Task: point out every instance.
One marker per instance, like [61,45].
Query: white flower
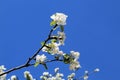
[2,68]
[56,76]
[28,75]
[74,65]
[60,53]
[56,70]
[59,75]
[45,73]
[61,37]
[43,78]
[71,76]
[97,70]
[75,54]
[85,77]
[40,58]
[13,77]
[55,48]
[45,49]
[52,48]
[46,76]
[52,78]
[86,72]
[3,77]
[59,18]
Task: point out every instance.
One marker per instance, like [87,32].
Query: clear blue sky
[93,29]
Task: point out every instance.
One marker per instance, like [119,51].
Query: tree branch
[23,66]
[27,64]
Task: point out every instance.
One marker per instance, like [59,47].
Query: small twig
[86,74]
[27,64]
[53,60]
[48,61]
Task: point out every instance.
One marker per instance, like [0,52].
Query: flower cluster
[74,64]
[40,58]
[72,59]
[57,40]
[52,48]
[56,76]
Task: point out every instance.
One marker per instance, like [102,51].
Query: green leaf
[53,40]
[42,43]
[52,23]
[62,28]
[66,58]
[66,61]
[36,64]
[45,66]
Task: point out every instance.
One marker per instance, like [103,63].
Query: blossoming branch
[51,46]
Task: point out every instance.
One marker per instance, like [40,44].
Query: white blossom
[74,65]
[56,76]
[46,76]
[60,53]
[46,73]
[45,49]
[56,70]
[55,48]
[2,68]
[13,77]
[3,77]
[27,74]
[52,48]
[86,72]
[59,75]
[71,76]
[40,58]
[59,18]
[75,54]
[97,70]
[61,37]
[85,77]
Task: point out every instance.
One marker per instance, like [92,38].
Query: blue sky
[93,29]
